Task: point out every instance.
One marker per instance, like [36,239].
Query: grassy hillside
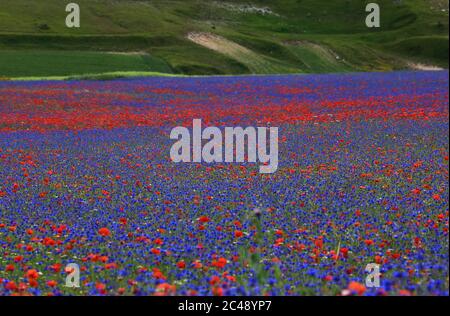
[219,37]
[29,63]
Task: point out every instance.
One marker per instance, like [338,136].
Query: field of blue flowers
[86,178]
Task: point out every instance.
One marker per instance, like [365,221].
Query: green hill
[220,37]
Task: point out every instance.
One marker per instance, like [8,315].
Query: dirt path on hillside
[128,53]
[218,44]
[419,66]
[251,59]
[321,50]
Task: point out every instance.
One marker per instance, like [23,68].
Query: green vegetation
[292,36]
[65,63]
[99,76]
[427,48]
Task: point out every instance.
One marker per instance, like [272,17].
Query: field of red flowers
[86,178]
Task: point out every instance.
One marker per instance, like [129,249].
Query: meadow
[19,63]
[86,178]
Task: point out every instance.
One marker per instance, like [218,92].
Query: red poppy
[56,267]
[219,263]
[104,232]
[197,264]
[217,291]
[11,286]
[214,280]
[203,219]
[110,266]
[51,283]
[165,289]
[9,268]
[158,241]
[319,242]
[101,288]
[368,242]
[43,194]
[158,274]
[32,274]
[123,221]
[404,293]
[357,288]
[378,259]
[155,251]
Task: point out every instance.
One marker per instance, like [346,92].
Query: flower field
[86,178]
